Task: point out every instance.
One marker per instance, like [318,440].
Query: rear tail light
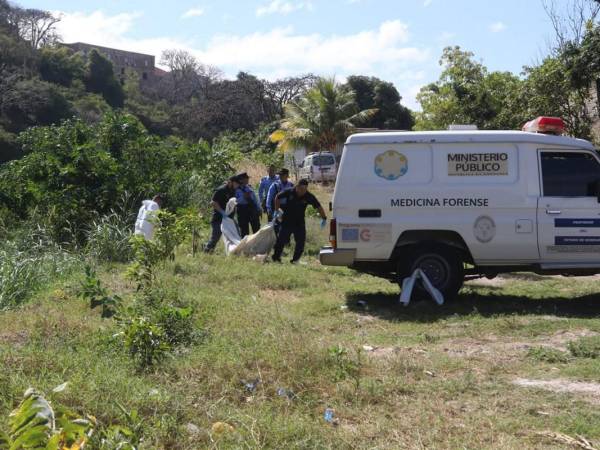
[333,233]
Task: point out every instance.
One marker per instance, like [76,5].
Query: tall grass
[108,238]
[28,262]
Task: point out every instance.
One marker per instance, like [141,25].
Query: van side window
[571,174]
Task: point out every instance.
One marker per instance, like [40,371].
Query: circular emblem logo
[391,165]
[484,229]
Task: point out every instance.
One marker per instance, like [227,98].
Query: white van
[467,203]
[320,166]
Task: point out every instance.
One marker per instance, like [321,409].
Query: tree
[100,79]
[321,119]
[467,93]
[547,90]
[29,102]
[572,21]
[60,65]
[281,92]
[371,92]
[36,26]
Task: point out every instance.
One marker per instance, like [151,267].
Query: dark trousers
[247,216]
[283,239]
[215,235]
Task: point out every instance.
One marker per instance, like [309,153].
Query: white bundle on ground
[258,244]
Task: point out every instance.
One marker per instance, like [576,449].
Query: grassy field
[280,344]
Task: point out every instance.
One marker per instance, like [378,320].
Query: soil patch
[492,347]
[591,391]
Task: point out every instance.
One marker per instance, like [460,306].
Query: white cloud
[314,52]
[193,12]
[383,51]
[283,7]
[426,3]
[95,27]
[497,27]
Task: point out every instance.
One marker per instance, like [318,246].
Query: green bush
[74,173]
[145,341]
[585,347]
[548,354]
[177,324]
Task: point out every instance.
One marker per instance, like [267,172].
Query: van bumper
[329,256]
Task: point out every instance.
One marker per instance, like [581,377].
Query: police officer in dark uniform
[219,202]
[248,206]
[293,202]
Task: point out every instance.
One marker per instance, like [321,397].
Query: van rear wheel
[443,266]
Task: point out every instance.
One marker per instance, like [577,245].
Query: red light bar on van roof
[546,125]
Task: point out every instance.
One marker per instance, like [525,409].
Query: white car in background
[319,167]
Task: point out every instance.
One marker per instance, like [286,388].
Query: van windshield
[323,160]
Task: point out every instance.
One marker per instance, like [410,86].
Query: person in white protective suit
[144,225]
[257,245]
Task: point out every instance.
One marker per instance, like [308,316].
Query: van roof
[429,137]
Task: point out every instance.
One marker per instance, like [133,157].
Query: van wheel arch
[430,238]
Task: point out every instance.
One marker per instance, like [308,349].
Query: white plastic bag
[260,243]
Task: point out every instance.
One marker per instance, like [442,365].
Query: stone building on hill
[125,62]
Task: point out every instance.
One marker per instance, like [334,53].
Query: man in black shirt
[219,202]
[293,202]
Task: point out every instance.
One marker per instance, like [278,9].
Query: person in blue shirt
[248,207]
[263,189]
[283,184]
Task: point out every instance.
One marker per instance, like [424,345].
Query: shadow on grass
[387,307]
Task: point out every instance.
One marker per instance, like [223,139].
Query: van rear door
[568,209]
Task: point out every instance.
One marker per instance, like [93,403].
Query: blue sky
[397,40]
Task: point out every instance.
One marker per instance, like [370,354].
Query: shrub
[146,342]
[548,354]
[37,424]
[585,347]
[177,324]
[92,290]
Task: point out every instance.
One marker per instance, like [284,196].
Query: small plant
[548,354]
[36,424]
[345,366]
[146,342]
[92,290]
[120,437]
[146,257]
[177,324]
[585,347]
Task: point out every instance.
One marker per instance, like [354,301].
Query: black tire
[443,266]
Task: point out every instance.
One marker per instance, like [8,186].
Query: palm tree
[323,117]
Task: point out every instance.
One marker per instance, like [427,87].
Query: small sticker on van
[391,165]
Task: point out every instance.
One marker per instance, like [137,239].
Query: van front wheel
[442,265]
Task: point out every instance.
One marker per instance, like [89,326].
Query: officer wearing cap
[248,207]
[219,201]
[282,184]
[293,202]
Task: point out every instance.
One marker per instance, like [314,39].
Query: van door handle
[553,211]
